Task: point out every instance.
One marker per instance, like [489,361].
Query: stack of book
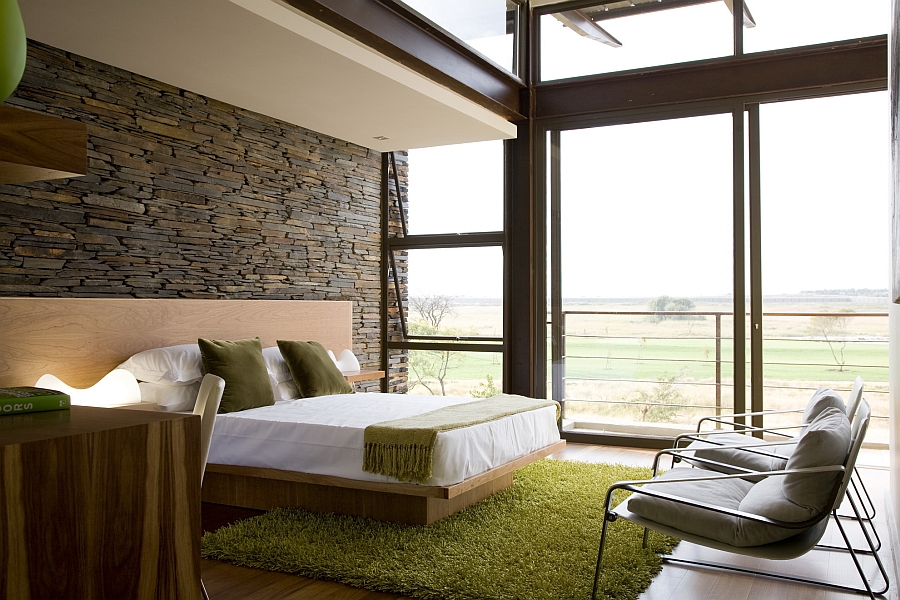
[17,400]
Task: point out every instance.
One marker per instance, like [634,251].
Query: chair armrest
[723,418]
[755,448]
[774,430]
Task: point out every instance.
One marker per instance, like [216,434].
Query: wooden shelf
[34,146]
[355,376]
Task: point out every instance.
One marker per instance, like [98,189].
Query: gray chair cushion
[821,399]
[747,459]
[728,493]
[825,442]
[767,499]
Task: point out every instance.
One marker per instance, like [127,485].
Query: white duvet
[324,435]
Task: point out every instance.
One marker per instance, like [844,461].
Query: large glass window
[645,242]
[825,249]
[454,189]
[488,26]
[791,23]
[616,37]
[448,262]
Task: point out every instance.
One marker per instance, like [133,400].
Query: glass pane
[647,274]
[826,250]
[451,373]
[594,40]
[485,25]
[456,291]
[791,23]
[456,189]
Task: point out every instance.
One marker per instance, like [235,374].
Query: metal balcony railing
[830,338]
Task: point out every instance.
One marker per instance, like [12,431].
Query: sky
[647,207]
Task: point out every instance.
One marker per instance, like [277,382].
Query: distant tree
[669,304]
[430,367]
[660,403]
[432,309]
[833,329]
[486,389]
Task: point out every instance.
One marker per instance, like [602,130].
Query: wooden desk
[100,504]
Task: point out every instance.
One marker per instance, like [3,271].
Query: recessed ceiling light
[380,137]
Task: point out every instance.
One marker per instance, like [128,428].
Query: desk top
[51,424]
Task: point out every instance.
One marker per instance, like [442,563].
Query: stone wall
[193,198]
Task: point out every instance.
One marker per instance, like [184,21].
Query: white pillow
[275,365]
[287,390]
[180,365]
[170,397]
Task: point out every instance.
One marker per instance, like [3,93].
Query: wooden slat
[405,489]
[81,339]
[35,146]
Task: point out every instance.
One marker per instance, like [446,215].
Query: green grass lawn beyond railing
[643,366]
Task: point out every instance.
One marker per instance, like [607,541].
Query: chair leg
[884,575]
[608,518]
[846,588]
[868,506]
[203,591]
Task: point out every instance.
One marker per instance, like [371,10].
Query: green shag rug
[536,540]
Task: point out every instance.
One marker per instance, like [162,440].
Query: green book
[18,400]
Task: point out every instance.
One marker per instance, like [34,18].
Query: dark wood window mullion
[740,305]
[737,10]
[756,308]
[557,342]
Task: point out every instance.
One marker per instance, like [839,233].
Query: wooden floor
[228,582]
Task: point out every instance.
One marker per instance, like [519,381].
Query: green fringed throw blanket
[404,448]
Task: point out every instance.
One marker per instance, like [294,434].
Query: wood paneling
[34,146]
[100,504]
[265,489]
[81,339]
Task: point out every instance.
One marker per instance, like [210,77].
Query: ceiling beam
[777,72]
[404,36]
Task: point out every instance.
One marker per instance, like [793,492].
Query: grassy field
[616,365]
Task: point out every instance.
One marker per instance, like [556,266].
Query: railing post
[718,367]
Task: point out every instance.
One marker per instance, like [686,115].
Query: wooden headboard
[81,339]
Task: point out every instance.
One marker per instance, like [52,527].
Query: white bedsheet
[324,435]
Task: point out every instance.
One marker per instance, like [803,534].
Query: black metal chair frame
[809,532]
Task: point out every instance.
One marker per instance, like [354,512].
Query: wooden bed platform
[265,489]
[81,339]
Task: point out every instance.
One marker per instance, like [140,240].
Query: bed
[80,340]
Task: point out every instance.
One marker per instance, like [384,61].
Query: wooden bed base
[265,489]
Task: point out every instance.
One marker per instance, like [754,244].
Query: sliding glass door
[682,287]
[642,290]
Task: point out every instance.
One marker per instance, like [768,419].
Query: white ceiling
[265,56]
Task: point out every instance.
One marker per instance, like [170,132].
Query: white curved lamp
[117,387]
[347,362]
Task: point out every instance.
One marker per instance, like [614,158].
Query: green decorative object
[536,540]
[13,47]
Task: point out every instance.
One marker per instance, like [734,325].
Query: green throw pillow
[240,363]
[313,370]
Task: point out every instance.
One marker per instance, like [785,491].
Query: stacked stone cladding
[190,197]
